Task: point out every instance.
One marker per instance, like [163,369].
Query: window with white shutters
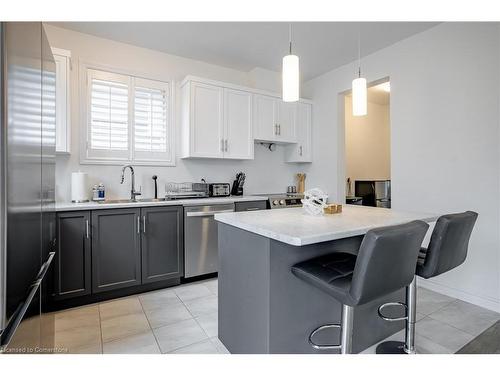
[128,119]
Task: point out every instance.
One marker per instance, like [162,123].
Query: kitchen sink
[111,201]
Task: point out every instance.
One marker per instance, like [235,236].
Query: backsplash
[267,173]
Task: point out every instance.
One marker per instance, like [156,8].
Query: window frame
[110,157]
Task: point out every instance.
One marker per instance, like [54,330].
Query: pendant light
[290,73]
[359,94]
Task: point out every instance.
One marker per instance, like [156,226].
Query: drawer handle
[253,209]
[210,213]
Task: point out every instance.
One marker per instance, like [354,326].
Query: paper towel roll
[79,191]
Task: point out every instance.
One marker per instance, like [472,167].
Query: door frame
[341,156]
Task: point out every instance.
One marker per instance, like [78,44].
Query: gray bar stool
[385,263]
[447,250]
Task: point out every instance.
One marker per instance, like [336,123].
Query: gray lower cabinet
[162,243]
[116,249]
[73,257]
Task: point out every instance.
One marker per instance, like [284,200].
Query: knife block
[236,189]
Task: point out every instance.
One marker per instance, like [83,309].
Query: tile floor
[183,319]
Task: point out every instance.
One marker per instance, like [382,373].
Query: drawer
[250,206]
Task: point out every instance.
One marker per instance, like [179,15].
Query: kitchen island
[263,308]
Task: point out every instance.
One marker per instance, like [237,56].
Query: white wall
[444,138]
[267,173]
[367,143]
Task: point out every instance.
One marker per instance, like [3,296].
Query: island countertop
[295,227]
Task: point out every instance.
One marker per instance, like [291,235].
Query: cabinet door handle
[144,224]
[138,225]
[275,129]
[222,145]
[279,129]
[87,229]
[300,150]
[225,147]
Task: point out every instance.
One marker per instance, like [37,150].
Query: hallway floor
[183,319]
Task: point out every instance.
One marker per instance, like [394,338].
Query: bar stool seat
[385,263]
[331,273]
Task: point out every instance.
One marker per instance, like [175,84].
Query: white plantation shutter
[151,120]
[109,115]
[127,120]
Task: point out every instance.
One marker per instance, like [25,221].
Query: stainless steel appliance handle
[22,308]
[144,224]
[3,181]
[209,213]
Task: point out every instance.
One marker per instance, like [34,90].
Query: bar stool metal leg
[345,327]
[411,303]
[408,346]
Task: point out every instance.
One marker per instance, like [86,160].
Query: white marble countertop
[295,227]
[69,206]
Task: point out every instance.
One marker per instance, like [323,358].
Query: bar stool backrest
[448,245]
[386,260]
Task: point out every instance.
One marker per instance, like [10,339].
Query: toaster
[221,189]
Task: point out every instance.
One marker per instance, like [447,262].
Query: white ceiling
[321,46]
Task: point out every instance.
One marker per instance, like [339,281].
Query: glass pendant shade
[290,78]
[359,97]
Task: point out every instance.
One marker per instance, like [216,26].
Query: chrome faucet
[133,192]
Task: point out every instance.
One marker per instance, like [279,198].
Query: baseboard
[487,303]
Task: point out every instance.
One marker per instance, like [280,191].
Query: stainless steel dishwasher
[200,238]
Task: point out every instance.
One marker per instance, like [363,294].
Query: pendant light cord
[290,38]
[359,52]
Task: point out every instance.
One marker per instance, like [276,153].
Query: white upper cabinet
[63,125]
[265,117]
[205,121]
[222,121]
[216,122]
[274,119]
[238,139]
[286,122]
[301,152]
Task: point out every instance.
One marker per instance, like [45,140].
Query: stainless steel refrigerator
[375,193]
[27,173]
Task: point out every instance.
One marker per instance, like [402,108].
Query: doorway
[367,149]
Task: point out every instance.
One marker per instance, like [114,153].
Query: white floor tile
[124,325]
[429,301]
[142,343]
[119,307]
[220,346]
[466,317]
[204,347]
[442,334]
[202,306]
[192,291]
[178,335]
[171,313]
[158,299]
[209,323]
